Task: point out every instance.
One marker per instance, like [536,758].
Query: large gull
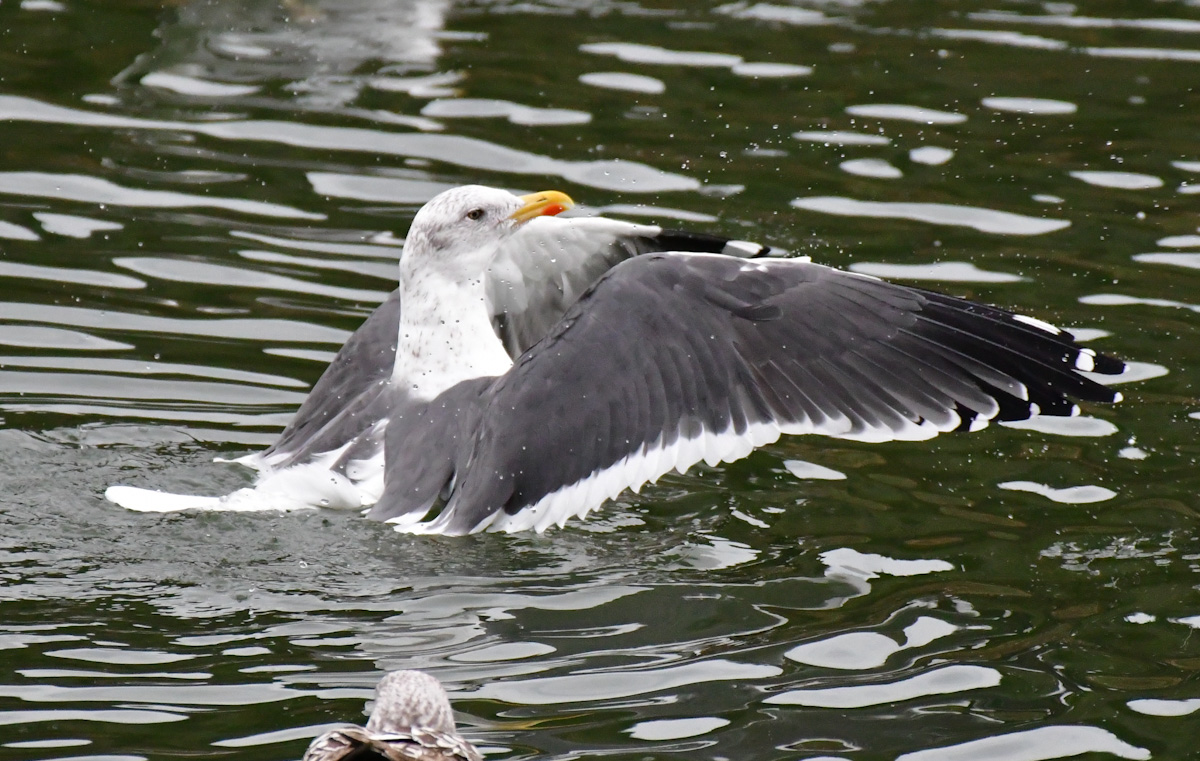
[332,452]
[541,367]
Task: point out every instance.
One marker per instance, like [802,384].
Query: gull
[332,452]
[499,409]
[411,721]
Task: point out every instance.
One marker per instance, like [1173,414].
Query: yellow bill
[547,203]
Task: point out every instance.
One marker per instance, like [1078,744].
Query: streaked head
[460,229]
[407,699]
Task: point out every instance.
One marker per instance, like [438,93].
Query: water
[199,201]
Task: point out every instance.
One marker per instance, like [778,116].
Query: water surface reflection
[199,202]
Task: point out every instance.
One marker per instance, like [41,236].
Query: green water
[200,200]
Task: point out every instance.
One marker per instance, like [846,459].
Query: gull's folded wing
[551,261]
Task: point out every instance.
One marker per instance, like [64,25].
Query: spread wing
[673,359]
[537,275]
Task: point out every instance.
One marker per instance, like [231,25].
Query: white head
[408,699]
[458,231]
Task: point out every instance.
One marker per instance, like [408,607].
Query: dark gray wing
[673,359]
[422,443]
[535,278]
[344,402]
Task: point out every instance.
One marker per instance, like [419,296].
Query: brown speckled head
[408,699]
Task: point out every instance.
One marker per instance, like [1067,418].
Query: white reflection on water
[951,272]
[1070,20]
[504,651]
[906,113]
[1078,425]
[37,385]
[78,187]
[877,168]
[204,273]
[675,729]
[654,55]
[1146,54]
[848,562]
[64,743]
[839,137]
[1191,261]
[439,85]
[118,656]
[76,275]
[1037,744]
[619,80]
[622,683]
[1156,707]
[73,226]
[367,188]
[771,70]
[319,46]
[941,681]
[1070,495]
[809,470]
[380,248]
[13,231]
[1119,180]
[516,113]
[1001,37]
[56,338]
[1043,106]
[983,220]
[859,651]
[1121,299]
[612,174]
[195,86]
[283,331]
[782,14]
[1178,241]
[930,155]
[105,716]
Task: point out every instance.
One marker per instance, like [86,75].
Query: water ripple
[79,187]
[983,220]
[613,174]
[941,681]
[484,108]
[617,684]
[204,273]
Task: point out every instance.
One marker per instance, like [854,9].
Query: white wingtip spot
[1118,397]
[1086,361]
[1036,323]
[742,248]
[978,423]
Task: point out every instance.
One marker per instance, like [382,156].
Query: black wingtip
[1106,365]
[703,243]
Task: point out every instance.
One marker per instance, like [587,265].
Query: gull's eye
[475,214]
